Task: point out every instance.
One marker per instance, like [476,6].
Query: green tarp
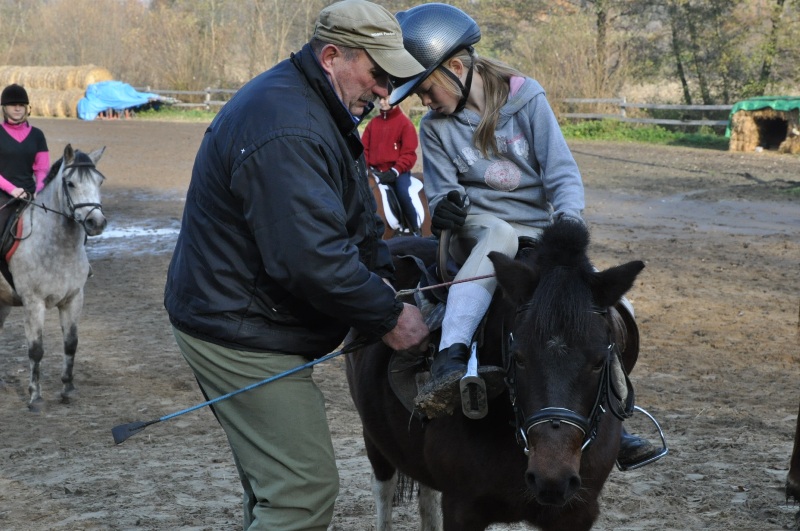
[778,103]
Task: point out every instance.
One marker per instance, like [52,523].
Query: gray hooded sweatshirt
[533,180]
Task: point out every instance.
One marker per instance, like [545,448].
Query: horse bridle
[588,426]
[71,205]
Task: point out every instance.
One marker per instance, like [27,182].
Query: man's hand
[410,333]
[449,213]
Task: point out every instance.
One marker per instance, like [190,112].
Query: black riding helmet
[14,94]
[432,33]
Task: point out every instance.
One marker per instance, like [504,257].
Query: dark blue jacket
[280,247]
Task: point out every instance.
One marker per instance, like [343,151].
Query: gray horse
[49,266]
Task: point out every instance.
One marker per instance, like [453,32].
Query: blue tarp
[111,95]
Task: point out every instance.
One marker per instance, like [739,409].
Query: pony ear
[610,285]
[96,154]
[69,154]
[517,280]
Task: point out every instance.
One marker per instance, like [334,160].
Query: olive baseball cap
[362,24]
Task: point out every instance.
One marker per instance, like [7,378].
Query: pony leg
[793,478]
[430,508]
[33,332]
[4,311]
[69,314]
[383,492]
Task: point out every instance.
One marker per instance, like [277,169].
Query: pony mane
[53,171]
[562,301]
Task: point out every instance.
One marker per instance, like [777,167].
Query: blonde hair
[496,76]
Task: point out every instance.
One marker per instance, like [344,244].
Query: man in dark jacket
[280,254]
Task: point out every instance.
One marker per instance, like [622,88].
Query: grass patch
[615,130]
[176,114]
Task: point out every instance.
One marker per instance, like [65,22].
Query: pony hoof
[36,406]
[67,396]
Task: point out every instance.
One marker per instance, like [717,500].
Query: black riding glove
[450,212]
[386,177]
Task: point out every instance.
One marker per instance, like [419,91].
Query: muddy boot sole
[440,397]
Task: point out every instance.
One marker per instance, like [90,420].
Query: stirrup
[474,402]
[653,458]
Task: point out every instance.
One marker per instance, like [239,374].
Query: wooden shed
[765,123]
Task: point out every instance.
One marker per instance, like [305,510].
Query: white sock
[466,305]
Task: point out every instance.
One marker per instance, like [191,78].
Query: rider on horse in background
[497,168]
[24,157]
[390,147]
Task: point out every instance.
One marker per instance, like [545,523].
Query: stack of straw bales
[746,135]
[54,90]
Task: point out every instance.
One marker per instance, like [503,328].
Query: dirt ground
[718,306]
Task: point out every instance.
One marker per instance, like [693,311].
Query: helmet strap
[467,84]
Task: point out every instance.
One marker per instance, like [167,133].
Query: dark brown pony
[549,442]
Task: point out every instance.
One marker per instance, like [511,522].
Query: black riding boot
[634,450]
[441,394]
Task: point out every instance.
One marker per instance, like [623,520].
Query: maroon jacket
[390,141]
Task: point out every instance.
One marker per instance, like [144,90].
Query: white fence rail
[621,115]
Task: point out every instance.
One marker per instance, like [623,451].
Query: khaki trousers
[278,434]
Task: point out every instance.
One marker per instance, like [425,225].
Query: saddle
[11,224]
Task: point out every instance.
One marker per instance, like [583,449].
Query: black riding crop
[123,431]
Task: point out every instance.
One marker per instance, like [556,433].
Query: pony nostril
[574,485]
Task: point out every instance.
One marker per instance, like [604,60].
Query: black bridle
[555,415]
[71,205]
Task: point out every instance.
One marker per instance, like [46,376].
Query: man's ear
[326,57]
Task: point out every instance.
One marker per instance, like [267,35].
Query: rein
[404,292]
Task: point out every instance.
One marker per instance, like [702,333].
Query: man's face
[358,81]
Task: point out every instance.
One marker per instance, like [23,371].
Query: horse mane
[562,301]
[53,171]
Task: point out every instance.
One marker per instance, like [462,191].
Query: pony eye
[519,359]
[70,184]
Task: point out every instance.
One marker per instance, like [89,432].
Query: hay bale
[55,103]
[792,143]
[748,130]
[744,132]
[53,77]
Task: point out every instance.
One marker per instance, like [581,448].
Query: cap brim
[396,63]
[404,90]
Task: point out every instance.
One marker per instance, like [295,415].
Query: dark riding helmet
[14,94]
[432,33]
